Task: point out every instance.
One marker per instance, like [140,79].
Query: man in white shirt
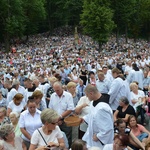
[100,129]
[62,102]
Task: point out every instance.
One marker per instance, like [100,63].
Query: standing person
[124,110]
[100,129]
[29,121]
[14,118]
[3,118]
[11,91]
[136,75]
[62,102]
[49,133]
[82,109]
[83,74]
[117,89]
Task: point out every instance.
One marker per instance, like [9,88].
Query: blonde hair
[5,130]
[3,109]
[71,84]
[49,115]
[132,85]
[37,93]
[52,79]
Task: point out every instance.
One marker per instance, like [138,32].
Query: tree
[96,20]
[12,20]
[35,13]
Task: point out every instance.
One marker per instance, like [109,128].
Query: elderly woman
[14,118]
[3,118]
[71,87]
[138,130]
[49,134]
[138,101]
[124,110]
[37,95]
[17,105]
[29,121]
[11,142]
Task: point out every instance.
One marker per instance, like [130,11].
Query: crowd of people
[51,77]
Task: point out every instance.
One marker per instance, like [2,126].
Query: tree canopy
[98,18]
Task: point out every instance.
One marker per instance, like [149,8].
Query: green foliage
[96,20]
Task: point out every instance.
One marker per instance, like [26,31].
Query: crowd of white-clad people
[50,77]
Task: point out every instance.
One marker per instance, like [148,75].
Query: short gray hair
[91,88]
[5,130]
[49,115]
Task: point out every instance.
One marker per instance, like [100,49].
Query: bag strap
[42,137]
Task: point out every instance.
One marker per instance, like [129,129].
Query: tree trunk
[7,42]
[126,34]
[117,36]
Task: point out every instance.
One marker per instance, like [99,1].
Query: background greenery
[98,18]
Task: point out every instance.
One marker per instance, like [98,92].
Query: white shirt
[16,108]
[11,95]
[61,104]
[22,90]
[29,122]
[37,139]
[84,111]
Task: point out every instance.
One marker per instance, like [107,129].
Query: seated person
[138,130]
[124,110]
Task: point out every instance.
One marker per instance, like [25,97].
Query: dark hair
[123,138]
[134,66]
[125,100]
[30,100]
[91,72]
[78,144]
[119,121]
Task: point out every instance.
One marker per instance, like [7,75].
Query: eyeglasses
[54,123]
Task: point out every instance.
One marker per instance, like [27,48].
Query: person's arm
[33,147]
[9,110]
[136,141]
[24,146]
[25,133]
[79,108]
[146,131]
[126,117]
[115,115]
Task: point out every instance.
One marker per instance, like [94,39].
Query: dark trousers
[68,132]
[80,134]
[27,144]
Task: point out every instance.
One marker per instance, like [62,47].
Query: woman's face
[13,118]
[1,113]
[132,122]
[38,100]
[134,88]
[72,89]
[17,102]
[11,135]
[32,107]
[122,127]
[52,125]
[118,145]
